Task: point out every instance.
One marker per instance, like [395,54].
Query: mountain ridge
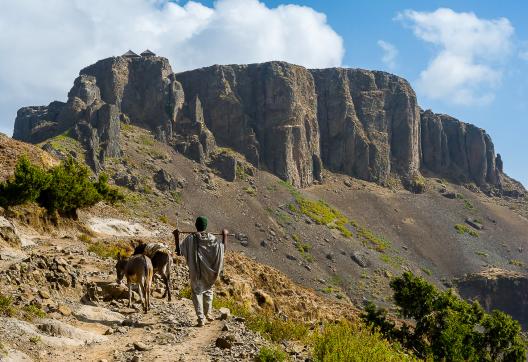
[285,118]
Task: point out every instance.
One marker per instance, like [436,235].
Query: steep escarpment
[458,150]
[137,90]
[282,117]
[369,123]
[265,111]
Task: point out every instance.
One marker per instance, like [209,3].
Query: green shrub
[6,306]
[26,184]
[271,354]
[63,189]
[347,342]
[269,325]
[31,312]
[464,229]
[446,327]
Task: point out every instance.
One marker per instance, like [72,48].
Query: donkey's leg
[141,295]
[148,287]
[168,281]
[129,294]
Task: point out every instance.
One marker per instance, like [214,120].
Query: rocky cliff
[498,289]
[282,117]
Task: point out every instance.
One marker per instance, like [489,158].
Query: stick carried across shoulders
[177,233]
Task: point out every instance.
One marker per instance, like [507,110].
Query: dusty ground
[79,326]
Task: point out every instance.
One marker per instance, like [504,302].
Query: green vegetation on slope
[464,229]
[63,189]
[445,327]
[322,213]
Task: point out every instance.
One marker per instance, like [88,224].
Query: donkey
[161,258]
[138,270]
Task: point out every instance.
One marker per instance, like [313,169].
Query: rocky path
[88,319]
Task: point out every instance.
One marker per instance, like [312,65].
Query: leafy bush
[446,327]
[271,354]
[347,342]
[63,189]
[25,186]
[69,189]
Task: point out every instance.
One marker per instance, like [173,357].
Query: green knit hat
[201,223]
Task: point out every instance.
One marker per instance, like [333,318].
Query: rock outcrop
[498,289]
[369,123]
[267,112]
[458,150]
[282,117]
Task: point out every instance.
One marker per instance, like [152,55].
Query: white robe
[205,258]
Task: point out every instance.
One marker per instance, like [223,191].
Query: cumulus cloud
[389,54]
[469,53]
[45,43]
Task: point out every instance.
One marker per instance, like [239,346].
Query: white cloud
[43,44]
[467,65]
[389,54]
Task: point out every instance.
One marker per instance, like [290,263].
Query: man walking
[204,255]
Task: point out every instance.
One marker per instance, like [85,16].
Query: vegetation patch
[28,312]
[324,214]
[345,341]
[464,229]
[109,250]
[304,249]
[63,189]
[271,354]
[468,205]
[267,324]
[251,191]
[516,262]
[443,327]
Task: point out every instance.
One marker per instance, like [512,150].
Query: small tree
[63,189]
[70,188]
[446,327]
[25,185]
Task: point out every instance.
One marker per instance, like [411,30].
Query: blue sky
[468,59]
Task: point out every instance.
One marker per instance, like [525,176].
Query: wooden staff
[177,233]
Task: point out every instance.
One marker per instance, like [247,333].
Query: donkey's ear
[119,257]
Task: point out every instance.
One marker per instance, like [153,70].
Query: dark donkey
[161,258]
[138,270]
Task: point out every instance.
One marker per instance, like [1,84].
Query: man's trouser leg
[198,305]
[208,301]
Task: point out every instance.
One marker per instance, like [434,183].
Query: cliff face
[369,123]
[284,118]
[268,112]
[458,150]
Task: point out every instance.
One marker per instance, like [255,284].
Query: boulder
[8,233]
[164,181]
[57,328]
[360,259]
[88,313]
[225,164]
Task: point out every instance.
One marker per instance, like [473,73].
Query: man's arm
[224,238]
[176,234]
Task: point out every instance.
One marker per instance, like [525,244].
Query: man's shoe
[209,318]
[200,323]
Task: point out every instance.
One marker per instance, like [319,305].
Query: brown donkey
[138,270]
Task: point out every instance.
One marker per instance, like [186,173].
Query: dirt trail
[166,333]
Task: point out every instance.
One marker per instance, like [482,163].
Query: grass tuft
[464,229]
[271,354]
[109,250]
